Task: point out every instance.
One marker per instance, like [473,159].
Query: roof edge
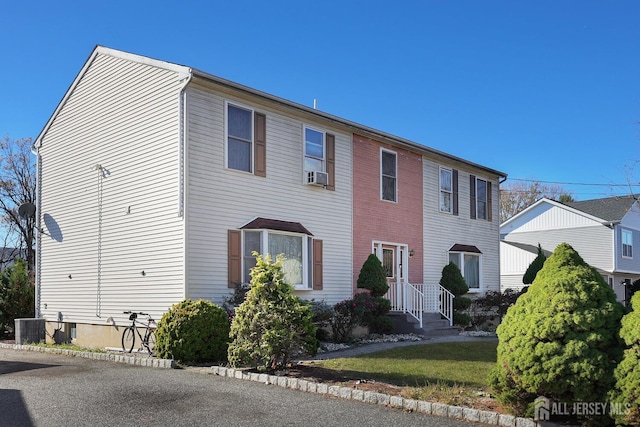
[182,71]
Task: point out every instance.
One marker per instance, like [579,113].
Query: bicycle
[148,341]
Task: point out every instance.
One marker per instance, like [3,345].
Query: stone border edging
[423,407]
[110,357]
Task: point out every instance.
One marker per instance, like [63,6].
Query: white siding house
[594,228]
[157,181]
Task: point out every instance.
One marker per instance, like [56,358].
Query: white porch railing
[416,299]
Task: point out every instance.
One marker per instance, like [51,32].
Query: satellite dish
[27,210]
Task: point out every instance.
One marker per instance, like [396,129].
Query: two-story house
[156,182]
[603,231]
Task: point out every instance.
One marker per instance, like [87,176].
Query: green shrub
[492,306]
[627,373]
[193,332]
[453,281]
[535,266]
[272,326]
[350,313]
[560,339]
[17,296]
[373,277]
[322,313]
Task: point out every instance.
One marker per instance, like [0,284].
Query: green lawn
[450,365]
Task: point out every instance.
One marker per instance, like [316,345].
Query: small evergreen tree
[453,281]
[372,277]
[627,373]
[272,326]
[560,339]
[17,296]
[535,266]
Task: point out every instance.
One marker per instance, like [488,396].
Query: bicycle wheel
[150,342]
[128,339]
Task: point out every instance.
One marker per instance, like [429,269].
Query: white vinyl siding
[441,232]
[550,225]
[221,200]
[123,116]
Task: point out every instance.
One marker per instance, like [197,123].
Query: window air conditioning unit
[317,178]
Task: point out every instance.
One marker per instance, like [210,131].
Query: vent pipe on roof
[315,104]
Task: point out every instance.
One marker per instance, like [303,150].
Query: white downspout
[183,169]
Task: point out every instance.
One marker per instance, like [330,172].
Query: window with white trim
[481,199]
[294,247]
[446,190]
[239,138]
[314,150]
[388,176]
[627,244]
[469,265]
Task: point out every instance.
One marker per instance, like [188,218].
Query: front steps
[433,325]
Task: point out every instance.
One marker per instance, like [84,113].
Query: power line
[574,183]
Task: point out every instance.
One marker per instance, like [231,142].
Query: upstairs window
[246,140]
[627,244]
[314,150]
[481,200]
[388,176]
[446,190]
[480,192]
[239,138]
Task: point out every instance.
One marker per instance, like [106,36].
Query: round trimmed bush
[193,332]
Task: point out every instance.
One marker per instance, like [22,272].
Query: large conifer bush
[272,326]
[560,339]
[627,373]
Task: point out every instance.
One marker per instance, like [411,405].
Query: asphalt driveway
[41,389]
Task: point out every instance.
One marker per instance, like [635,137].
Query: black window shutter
[454,184]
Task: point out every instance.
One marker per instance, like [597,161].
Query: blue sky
[541,90]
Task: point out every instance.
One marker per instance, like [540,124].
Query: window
[293,246]
[314,150]
[627,244]
[446,190]
[469,265]
[239,138]
[388,176]
[388,262]
[480,192]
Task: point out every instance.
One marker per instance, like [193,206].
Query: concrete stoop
[433,325]
[413,405]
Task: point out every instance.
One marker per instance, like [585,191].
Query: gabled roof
[185,72]
[611,209]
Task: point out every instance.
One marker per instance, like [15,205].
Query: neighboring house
[156,182]
[605,232]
